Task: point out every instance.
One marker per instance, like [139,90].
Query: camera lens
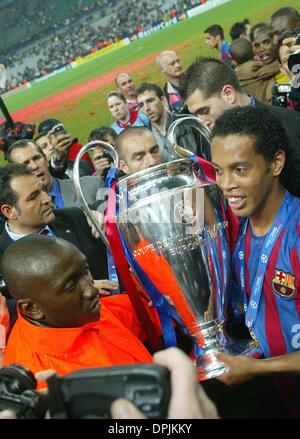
[294,60]
[17,378]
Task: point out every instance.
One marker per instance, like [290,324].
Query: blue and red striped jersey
[277,326]
[225,51]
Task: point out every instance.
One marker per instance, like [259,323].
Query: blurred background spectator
[49,35]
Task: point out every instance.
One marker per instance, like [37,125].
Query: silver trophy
[172,223]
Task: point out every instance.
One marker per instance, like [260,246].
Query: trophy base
[207,365]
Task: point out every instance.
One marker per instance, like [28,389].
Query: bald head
[29,263]
[169,64]
[121,76]
[241,50]
[137,149]
[125,85]
[51,280]
[163,57]
[125,137]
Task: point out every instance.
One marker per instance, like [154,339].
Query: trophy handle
[191,121]
[76,178]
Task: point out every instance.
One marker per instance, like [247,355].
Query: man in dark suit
[28,210]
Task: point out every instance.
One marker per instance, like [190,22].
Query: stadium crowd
[61,307]
[54,44]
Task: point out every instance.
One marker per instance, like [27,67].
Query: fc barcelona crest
[283,284]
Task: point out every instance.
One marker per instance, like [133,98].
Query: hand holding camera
[287,95]
[86,393]
[61,142]
[102,162]
[188,400]
[280,95]
[294,59]
[167,389]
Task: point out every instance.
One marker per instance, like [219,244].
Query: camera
[58,130]
[294,58]
[104,155]
[17,393]
[86,393]
[11,133]
[280,95]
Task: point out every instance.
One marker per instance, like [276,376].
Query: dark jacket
[290,120]
[71,224]
[186,136]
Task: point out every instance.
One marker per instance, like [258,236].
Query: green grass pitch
[82,115]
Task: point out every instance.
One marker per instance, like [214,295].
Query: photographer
[286,46]
[65,149]
[101,160]
[43,141]
[293,43]
[55,145]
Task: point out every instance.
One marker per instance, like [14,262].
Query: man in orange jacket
[62,324]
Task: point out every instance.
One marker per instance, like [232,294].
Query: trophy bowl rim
[153,168]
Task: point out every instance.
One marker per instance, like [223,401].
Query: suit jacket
[90,186]
[71,225]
